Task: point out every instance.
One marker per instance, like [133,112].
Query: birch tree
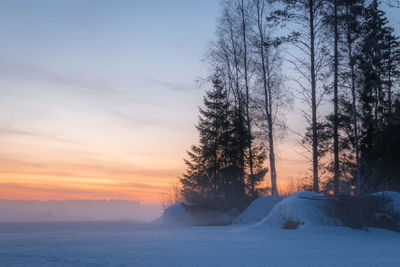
[268,61]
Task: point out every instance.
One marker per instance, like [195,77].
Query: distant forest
[343,55]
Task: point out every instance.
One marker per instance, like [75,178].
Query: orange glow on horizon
[45,179]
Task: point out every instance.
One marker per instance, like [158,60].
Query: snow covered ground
[167,242]
[130,244]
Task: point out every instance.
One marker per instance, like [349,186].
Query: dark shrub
[364,212]
[291,225]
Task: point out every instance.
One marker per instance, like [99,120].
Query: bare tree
[264,46]
[172,195]
[307,15]
[243,11]
[336,175]
[247,59]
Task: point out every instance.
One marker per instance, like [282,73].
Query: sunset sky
[98,99]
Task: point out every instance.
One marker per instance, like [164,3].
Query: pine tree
[201,182]
[216,175]
[343,25]
[377,63]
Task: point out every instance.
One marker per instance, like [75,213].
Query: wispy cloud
[173,86]
[46,189]
[20,71]
[14,70]
[16,132]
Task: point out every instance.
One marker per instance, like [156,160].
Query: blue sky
[142,38]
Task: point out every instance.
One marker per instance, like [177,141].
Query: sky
[98,99]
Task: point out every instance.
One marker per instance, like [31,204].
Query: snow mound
[257,210]
[176,214]
[299,210]
[394,197]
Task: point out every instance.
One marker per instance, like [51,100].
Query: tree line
[346,59]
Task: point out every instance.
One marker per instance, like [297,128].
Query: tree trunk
[266,83]
[390,83]
[354,107]
[247,97]
[313,98]
[239,105]
[335,104]
[274,189]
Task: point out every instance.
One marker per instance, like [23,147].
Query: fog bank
[77,210]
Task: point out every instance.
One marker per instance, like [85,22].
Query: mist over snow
[174,241]
[77,210]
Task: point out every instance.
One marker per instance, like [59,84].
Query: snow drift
[257,210]
[301,210]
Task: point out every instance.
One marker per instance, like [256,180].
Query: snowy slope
[298,208]
[257,210]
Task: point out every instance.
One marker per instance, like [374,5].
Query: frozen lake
[134,244]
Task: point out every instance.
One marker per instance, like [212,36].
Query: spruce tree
[203,182]
[377,63]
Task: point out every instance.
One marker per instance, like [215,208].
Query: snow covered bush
[366,211]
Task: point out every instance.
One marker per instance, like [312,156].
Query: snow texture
[300,208]
[129,244]
[257,210]
[165,243]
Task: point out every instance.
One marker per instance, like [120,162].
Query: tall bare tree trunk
[274,188]
[354,107]
[313,98]
[390,83]
[267,90]
[239,96]
[246,82]
[335,104]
